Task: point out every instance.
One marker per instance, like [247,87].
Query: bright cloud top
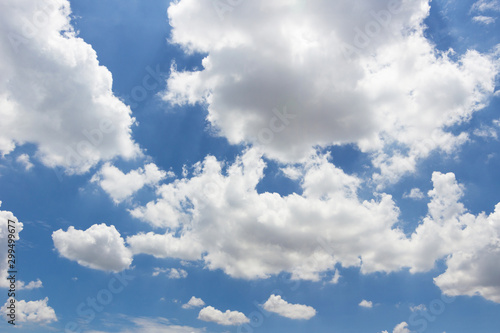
[293,311]
[228,318]
[366,304]
[54,93]
[334,64]
[99,247]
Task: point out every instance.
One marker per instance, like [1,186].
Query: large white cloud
[220,218]
[293,311]
[288,75]
[33,311]
[227,318]
[121,186]
[54,93]
[98,247]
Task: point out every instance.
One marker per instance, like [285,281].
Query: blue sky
[251,166]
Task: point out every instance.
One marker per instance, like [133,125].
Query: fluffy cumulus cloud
[290,75]
[16,227]
[98,247]
[121,186]
[33,311]
[217,216]
[293,311]
[366,304]
[194,302]
[54,93]
[228,318]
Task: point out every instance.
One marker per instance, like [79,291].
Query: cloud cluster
[121,186]
[54,93]
[98,247]
[293,311]
[228,318]
[171,273]
[289,76]
[34,311]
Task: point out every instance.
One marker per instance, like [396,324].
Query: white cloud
[193,303]
[121,186]
[172,273]
[98,247]
[484,19]
[366,304]
[486,132]
[415,193]
[401,328]
[265,233]
[486,5]
[293,311]
[54,93]
[316,94]
[5,216]
[152,325]
[33,311]
[227,318]
[336,277]
[24,159]
[420,307]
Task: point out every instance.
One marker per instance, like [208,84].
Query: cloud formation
[33,311]
[194,302]
[98,247]
[228,318]
[54,93]
[293,311]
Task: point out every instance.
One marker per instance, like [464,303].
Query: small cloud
[24,159]
[172,273]
[227,318]
[194,302]
[415,194]
[366,304]
[486,5]
[293,311]
[486,132]
[484,19]
[336,277]
[33,311]
[419,308]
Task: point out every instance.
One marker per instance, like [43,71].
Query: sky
[248,166]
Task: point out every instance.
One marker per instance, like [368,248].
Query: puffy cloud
[172,273]
[121,186]
[98,247]
[54,93]
[293,311]
[401,328]
[415,193]
[33,311]
[366,304]
[333,65]
[486,5]
[193,303]
[227,318]
[218,217]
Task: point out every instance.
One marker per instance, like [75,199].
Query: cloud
[415,193]
[24,159]
[98,247]
[336,277]
[5,216]
[486,5]
[293,311]
[401,328]
[121,186]
[172,273]
[366,304]
[33,311]
[54,93]
[484,19]
[264,233]
[227,318]
[193,303]
[341,64]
